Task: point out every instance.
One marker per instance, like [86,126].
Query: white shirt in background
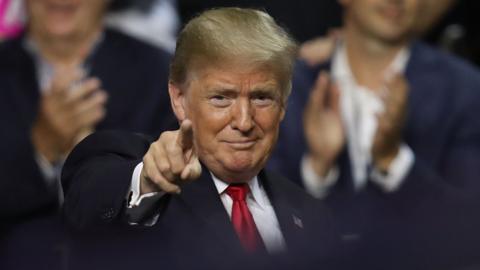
[359,107]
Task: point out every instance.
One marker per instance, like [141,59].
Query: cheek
[268,123]
[208,122]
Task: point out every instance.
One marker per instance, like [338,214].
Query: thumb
[192,170]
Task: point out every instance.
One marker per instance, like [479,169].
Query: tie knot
[238,192]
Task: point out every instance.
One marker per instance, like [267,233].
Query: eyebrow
[267,89]
[222,90]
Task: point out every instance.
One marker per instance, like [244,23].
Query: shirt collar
[341,67]
[256,189]
[44,68]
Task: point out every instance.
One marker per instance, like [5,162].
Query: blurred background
[447,25]
[450,26]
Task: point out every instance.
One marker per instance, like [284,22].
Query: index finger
[185,136]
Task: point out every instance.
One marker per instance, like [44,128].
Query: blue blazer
[135,76]
[443,130]
[97,177]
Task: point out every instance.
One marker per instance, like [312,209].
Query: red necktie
[242,218]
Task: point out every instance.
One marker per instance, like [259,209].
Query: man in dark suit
[228,87]
[390,142]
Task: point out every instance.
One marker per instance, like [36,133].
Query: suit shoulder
[455,68]
[120,145]
[110,142]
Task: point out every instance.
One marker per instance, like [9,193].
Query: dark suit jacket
[437,199]
[135,76]
[97,177]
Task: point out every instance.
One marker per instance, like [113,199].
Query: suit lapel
[202,198]
[429,103]
[289,216]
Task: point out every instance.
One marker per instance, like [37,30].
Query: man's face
[388,20]
[64,18]
[235,114]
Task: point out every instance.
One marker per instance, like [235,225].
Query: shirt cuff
[51,172]
[136,199]
[48,170]
[316,185]
[398,170]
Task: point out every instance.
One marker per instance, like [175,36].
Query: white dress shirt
[359,107]
[257,200]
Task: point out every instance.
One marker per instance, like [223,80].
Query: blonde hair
[228,34]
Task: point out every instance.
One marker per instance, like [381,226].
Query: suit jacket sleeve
[451,178]
[97,175]
[443,129]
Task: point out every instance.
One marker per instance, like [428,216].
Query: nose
[242,116]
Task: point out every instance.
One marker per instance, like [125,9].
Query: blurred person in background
[318,50]
[390,140]
[65,77]
[56,80]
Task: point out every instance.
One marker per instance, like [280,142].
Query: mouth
[62,8]
[393,12]
[241,144]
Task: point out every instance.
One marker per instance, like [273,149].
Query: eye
[263,100]
[220,101]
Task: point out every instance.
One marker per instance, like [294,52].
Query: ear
[177,100]
[282,113]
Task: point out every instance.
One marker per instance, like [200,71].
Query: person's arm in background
[307,150]
[451,180]
[63,116]
[319,50]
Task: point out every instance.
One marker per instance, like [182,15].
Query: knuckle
[153,147]
[163,166]
[171,148]
[165,136]
[176,169]
[155,177]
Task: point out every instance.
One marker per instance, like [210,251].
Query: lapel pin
[297,221]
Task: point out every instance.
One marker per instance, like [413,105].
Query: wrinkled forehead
[231,71]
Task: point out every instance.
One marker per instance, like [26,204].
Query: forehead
[234,76]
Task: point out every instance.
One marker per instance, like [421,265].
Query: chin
[239,166]
[60,30]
